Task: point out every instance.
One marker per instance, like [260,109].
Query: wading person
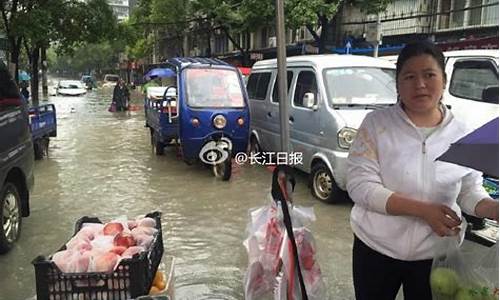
[405,200]
[121,96]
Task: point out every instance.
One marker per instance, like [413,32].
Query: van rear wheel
[254,146]
[323,185]
[10,217]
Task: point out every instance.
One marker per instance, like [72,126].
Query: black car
[16,161]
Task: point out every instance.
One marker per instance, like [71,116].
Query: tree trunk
[226,32]
[43,58]
[209,43]
[35,56]
[15,44]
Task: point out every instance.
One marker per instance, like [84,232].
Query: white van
[472,85]
[110,80]
[329,96]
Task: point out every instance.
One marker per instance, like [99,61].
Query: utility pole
[378,31]
[282,86]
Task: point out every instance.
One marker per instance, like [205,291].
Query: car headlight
[346,137]
[220,121]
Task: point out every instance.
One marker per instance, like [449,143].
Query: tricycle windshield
[211,87]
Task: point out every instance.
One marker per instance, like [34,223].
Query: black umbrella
[477,150]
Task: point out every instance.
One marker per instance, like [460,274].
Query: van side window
[471,77]
[306,83]
[9,94]
[257,85]
[289,77]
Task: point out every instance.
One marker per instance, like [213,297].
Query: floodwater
[102,164]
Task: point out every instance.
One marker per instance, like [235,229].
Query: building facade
[453,24]
[120,8]
[460,24]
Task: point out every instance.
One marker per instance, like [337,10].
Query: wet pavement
[101,164]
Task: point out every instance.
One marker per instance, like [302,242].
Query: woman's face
[421,84]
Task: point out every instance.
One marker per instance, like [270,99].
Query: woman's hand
[442,219]
[487,208]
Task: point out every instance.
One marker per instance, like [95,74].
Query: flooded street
[101,164]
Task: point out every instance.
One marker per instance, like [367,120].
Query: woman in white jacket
[404,199]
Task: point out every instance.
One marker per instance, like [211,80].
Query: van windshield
[360,86]
[213,88]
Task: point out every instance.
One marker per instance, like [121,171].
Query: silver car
[329,96]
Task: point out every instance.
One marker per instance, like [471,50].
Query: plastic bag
[112,107]
[453,276]
[487,269]
[271,272]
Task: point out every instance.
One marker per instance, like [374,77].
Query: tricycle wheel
[10,217]
[223,170]
[159,147]
[41,148]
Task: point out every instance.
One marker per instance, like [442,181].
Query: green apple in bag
[444,281]
[468,294]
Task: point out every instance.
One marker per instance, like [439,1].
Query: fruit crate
[131,278]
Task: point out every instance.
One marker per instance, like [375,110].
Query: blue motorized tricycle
[206,113]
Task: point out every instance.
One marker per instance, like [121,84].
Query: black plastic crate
[131,278]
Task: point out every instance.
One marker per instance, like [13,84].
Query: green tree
[174,17]
[138,27]
[67,24]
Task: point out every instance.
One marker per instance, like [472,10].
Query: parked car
[16,161]
[329,96]
[472,85]
[88,81]
[71,88]
[110,80]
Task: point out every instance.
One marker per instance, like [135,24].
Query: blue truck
[43,125]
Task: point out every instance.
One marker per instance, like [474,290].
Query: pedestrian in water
[405,200]
[24,90]
[150,83]
[121,96]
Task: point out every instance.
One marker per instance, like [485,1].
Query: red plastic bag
[112,107]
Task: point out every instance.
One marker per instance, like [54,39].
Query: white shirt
[391,155]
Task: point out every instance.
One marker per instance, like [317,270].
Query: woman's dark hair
[419,48]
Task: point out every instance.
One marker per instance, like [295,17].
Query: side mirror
[490,94]
[308,100]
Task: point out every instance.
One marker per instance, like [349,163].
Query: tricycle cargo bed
[43,121]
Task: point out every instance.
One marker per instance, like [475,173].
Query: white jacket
[390,155]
